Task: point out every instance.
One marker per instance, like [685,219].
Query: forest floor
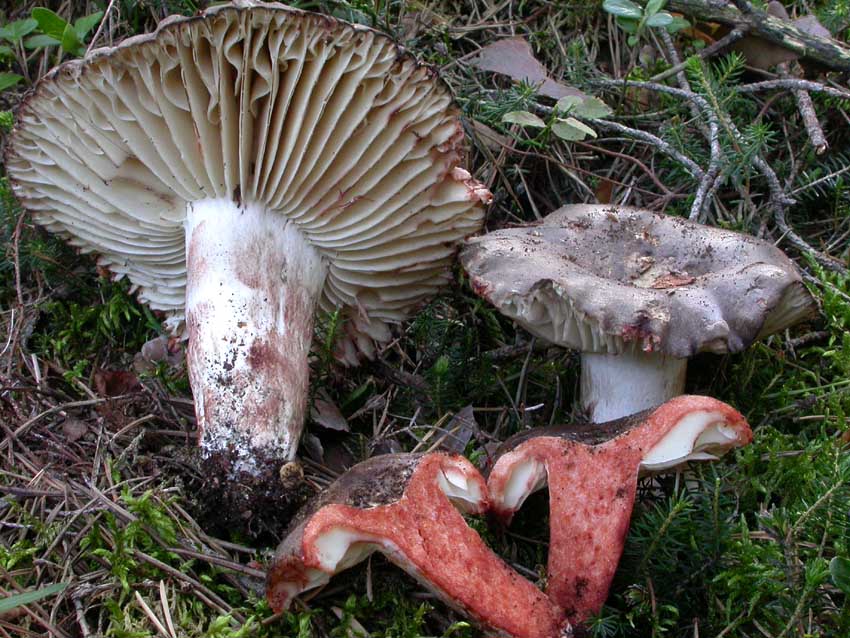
[97,467]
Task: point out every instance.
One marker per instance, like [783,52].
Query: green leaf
[27,598]
[592,108]
[678,24]
[628,25]
[86,24]
[523,118]
[623,8]
[38,41]
[6,52]
[654,6]
[70,42]
[660,19]
[49,23]
[572,130]
[839,569]
[8,80]
[16,30]
[632,40]
[568,103]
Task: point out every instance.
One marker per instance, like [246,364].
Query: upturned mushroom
[242,168]
[592,472]
[637,293]
[409,507]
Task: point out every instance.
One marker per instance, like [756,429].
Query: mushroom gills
[253,285]
[465,495]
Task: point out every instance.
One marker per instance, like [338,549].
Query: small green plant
[56,31]
[839,571]
[44,28]
[634,19]
[13,34]
[563,123]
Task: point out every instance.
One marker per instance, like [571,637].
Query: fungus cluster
[254,163]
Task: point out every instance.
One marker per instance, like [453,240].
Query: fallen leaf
[74,429]
[113,383]
[157,350]
[491,139]
[761,54]
[605,191]
[523,118]
[325,413]
[513,57]
[312,445]
[459,431]
[811,25]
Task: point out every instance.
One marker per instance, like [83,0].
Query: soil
[255,507]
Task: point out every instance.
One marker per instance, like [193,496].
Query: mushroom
[638,293]
[408,507]
[242,168]
[592,472]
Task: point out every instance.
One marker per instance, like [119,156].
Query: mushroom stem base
[253,283]
[618,385]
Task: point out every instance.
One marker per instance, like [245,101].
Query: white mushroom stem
[252,286]
[617,385]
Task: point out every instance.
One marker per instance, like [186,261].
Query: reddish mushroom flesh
[405,506]
[592,473]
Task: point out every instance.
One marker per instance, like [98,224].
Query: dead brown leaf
[460,431]
[761,54]
[513,57]
[325,413]
[113,383]
[74,429]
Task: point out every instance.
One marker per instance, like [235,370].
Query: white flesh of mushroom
[618,385]
[699,436]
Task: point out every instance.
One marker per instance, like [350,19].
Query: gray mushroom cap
[609,279]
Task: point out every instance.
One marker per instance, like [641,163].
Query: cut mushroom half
[242,168]
[410,508]
[637,293]
[592,471]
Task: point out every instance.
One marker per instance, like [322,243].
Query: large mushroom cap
[611,279]
[329,125]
